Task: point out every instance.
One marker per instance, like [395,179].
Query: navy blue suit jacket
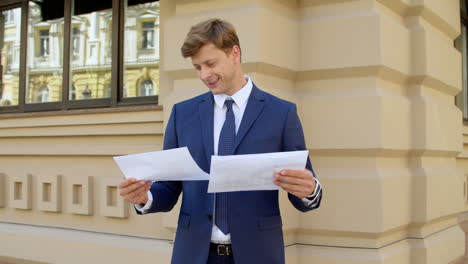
[269,124]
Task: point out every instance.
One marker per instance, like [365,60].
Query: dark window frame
[117,98]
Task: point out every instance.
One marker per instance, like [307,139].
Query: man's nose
[205,74]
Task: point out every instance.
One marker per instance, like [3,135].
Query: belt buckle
[220,252]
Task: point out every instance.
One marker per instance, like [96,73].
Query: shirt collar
[240,97]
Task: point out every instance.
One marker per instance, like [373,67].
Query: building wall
[374,81]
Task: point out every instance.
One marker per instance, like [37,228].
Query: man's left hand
[300,183]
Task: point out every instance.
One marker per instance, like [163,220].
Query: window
[75,43]
[73,92]
[45,39]
[66,55]
[461,99]
[148,35]
[9,60]
[44,43]
[147,88]
[141,56]
[95,64]
[43,95]
[9,16]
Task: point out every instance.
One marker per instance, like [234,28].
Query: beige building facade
[375,82]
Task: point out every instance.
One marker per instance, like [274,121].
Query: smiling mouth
[213,82]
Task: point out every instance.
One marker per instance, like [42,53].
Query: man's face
[216,68]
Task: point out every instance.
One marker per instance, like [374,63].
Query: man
[235,117]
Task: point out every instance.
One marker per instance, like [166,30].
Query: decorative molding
[85,149]
[49,193]
[21,192]
[112,204]
[80,196]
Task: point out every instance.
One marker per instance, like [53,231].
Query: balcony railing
[147,54]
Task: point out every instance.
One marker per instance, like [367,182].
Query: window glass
[45,53]
[10,25]
[91,49]
[75,42]
[141,48]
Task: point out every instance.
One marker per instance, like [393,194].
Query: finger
[139,191]
[289,179]
[303,190]
[126,183]
[309,184]
[148,184]
[299,193]
[289,187]
[137,196]
[304,174]
[132,187]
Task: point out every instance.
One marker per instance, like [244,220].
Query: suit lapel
[254,107]
[205,110]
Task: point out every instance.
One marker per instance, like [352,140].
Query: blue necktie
[225,147]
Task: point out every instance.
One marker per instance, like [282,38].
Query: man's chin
[215,90]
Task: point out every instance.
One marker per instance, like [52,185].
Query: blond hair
[219,32]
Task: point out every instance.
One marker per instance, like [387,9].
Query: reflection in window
[108,91]
[9,16]
[10,25]
[75,43]
[91,48]
[141,52]
[9,58]
[43,95]
[147,88]
[148,35]
[44,42]
[73,92]
[90,55]
[44,53]
[86,93]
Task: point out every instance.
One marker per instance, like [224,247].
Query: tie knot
[228,103]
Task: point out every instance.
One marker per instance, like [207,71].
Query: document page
[167,165]
[253,171]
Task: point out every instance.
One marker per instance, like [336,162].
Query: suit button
[210,217]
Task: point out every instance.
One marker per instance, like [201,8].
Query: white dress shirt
[240,102]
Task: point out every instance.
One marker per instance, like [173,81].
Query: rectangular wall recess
[20,191]
[80,195]
[112,204]
[49,192]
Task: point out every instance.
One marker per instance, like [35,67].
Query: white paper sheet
[253,171]
[168,165]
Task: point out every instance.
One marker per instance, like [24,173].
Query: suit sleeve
[293,139]
[166,193]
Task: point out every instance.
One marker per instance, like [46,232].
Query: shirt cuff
[149,203]
[312,199]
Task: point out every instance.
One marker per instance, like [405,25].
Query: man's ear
[236,54]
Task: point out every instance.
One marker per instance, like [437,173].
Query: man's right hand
[134,191]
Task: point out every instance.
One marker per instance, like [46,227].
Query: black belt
[221,249]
